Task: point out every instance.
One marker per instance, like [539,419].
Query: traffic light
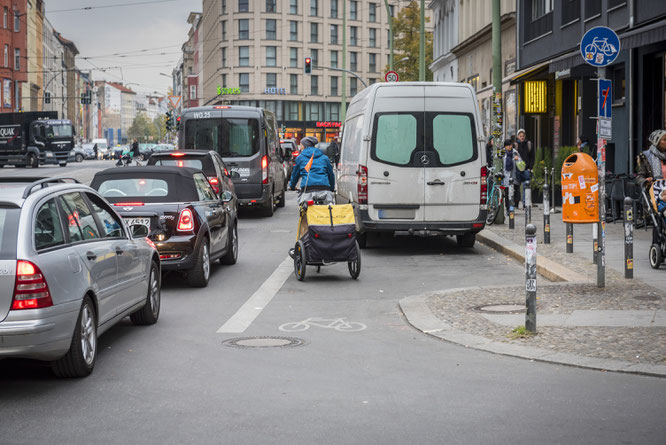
[308,65]
[169,125]
[47,97]
[83,98]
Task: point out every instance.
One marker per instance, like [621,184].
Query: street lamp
[390,20]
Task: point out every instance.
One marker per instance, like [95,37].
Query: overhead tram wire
[117,5]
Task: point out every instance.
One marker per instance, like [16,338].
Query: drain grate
[263,342]
[506,308]
[647,298]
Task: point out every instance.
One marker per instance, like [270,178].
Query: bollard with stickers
[530,277]
[528,203]
[628,237]
[546,212]
[512,212]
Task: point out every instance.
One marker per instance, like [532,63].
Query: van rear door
[395,174]
[452,175]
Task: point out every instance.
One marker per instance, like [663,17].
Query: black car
[189,223]
[209,162]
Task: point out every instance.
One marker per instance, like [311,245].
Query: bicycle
[495,199]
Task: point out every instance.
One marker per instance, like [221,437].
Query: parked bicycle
[495,198]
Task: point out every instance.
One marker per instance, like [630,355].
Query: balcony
[537,28]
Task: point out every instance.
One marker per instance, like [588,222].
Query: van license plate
[138,222]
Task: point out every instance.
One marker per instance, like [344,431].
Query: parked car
[247,139]
[413,160]
[146,150]
[209,162]
[103,149]
[89,150]
[69,270]
[163,147]
[188,222]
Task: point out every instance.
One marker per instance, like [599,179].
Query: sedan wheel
[80,359]
[199,275]
[232,249]
[150,312]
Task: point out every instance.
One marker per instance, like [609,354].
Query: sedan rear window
[8,232]
[133,187]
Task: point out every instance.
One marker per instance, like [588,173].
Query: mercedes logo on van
[425,160]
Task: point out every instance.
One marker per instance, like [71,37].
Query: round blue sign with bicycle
[600,46]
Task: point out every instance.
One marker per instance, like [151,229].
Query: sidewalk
[619,328]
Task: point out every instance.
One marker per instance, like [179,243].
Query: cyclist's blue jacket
[321,172]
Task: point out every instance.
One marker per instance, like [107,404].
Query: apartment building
[254,52]
[13,44]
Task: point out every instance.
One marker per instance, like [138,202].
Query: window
[617,75]
[372,62]
[452,137]
[373,38]
[6,55]
[353,35]
[244,56]
[314,32]
[334,112]
[353,10]
[541,8]
[271,55]
[204,190]
[293,6]
[244,82]
[353,61]
[314,85]
[48,226]
[109,222]
[224,30]
[334,9]
[373,12]
[243,6]
[392,10]
[80,220]
[271,29]
[17,59]
[292,109]
[271,80]
[353,86]
[224,57]
[592,8]
[313,111]
[229,137]
[314,55]
[224,6]
[314,8]
[334,59]
[4,17]
[570,11]
[396,137]
[371,81]
[334,86]
[334,34]
[193,92]
[134,187]
[270,6]
[293,30]
[293,57]
[224,80]
[293,84]
[244,29]
[17,21]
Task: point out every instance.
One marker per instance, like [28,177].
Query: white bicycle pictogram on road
[339,324]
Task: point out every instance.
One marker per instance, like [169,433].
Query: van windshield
[230,137]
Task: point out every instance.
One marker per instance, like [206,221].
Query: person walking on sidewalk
[526,153]
[510,162]
[651,164]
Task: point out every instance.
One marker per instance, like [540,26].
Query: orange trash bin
[580,189]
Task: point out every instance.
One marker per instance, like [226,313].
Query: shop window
[536,96]
[474,81]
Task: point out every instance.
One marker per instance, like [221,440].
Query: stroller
[650,195]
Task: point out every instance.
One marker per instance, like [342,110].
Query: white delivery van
[412,160]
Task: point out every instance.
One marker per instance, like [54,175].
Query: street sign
[175,101]
[600,46]
[391,76]
[605,102]
[605,128]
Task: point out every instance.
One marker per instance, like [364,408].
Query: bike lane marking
[339,324]
[247,313]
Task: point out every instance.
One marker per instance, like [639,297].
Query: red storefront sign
[329,124]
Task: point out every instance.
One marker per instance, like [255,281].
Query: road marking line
[244,317]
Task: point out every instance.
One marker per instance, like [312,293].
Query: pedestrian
[489,151]
[135,152]
[95,150]
[315,171]
[333,151]
[651,164]
[526,153]
[510,162]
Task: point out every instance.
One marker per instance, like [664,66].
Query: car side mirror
[226,196]
[139,231]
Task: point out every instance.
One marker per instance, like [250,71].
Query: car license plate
[138,221]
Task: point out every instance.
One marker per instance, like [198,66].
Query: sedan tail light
[186,221]
[30,290]
[264,170]
[215,183]
[362,189]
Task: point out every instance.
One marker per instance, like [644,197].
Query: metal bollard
[570,238]
[530,277]
[595,242]
[628,237]
[552,189]
[546,214]
[528,203]
[512,213]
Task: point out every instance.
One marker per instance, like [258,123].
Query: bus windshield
[230,137]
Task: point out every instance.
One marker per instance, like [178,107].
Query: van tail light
[484,185]
[362,175]
[264,170]
[215,183]
[186,221]
[30,288]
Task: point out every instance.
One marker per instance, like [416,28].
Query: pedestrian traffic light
[47,97]
[308,65]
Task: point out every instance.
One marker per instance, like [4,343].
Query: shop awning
[524,72]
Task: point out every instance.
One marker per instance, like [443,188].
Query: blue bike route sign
[605,99]
[600,46]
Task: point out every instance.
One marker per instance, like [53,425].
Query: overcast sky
[121,29]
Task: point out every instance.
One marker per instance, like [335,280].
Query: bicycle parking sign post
[599,47]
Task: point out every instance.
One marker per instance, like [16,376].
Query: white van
[412,160]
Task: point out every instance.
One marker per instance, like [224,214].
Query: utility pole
[343,105]
[497,76]
[390,22]
[422,44]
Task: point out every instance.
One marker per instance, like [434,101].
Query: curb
[419,316]
[545,267]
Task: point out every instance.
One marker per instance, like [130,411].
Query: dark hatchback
[189,223]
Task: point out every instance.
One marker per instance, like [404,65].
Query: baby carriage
[651,200]
[326,235]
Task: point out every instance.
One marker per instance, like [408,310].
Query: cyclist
[315,171]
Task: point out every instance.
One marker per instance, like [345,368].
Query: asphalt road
[175,382]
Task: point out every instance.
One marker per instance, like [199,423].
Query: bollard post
[528,203]
[512,213]
[552,189]
[546,213]
[570,238]
[595,242]
[530,277]
[628,237]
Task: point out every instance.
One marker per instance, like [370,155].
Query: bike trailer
[329,233]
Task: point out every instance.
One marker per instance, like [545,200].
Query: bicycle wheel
[300,260]
[355,266]
[493,206]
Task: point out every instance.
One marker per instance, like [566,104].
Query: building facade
[558,90]
[445,64]
[32,95]
[69,73]
[54,91]
[13,41]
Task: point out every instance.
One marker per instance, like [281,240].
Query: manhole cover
[647,298]
[509,308]
[263,342]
